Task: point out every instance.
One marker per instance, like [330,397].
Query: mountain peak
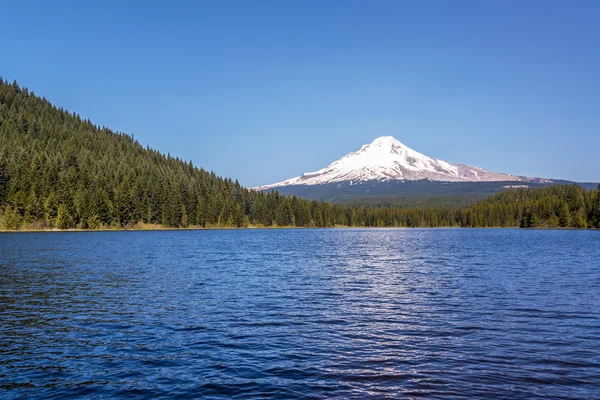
[385,159]
[384,145]
[381,140]
[386,141]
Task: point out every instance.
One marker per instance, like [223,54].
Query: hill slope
[59,170]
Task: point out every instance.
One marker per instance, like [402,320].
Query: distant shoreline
[226,228]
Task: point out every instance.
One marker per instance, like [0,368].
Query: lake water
[348,313]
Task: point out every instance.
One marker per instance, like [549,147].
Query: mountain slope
[387,159]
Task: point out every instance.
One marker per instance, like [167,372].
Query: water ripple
[344,313]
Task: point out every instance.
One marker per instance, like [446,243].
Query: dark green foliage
[64,220]
[11,220]
[4,178]
[527,217]
[93,222]
[58,170]
[567,206]
[408,194]
[62,171]
[564,215]
[184,217]
[595,220]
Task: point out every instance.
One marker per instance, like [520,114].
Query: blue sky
[264,90]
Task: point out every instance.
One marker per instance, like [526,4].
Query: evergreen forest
[59,171]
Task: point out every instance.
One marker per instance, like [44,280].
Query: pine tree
[201,212]
[597,216]
[184,217]
[526,218]
[579,219]
[93,222]
[11,220]
[63,218]
[564,216]
[535,221]
[238,216]
[553,221]
[33,209]
[4,179]
[50,209]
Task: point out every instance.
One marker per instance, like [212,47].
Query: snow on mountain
[386,159]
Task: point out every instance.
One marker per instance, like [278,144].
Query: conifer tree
[597,202]
[63,218]
[50,209]
[4,178]
[93,222]
[564,215]
[238,216]
[33,209]
[184,217]
[535,221]
[579,219]
[11,220]
[526,218]
[201,212]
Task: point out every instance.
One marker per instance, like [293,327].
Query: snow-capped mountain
[387,159]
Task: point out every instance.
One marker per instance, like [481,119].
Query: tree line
[58,170]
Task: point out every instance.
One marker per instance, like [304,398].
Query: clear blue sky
[265,90]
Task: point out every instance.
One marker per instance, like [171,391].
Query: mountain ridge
[388,159]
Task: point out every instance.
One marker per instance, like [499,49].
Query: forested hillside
[567,206]
[410,194]
[58,170]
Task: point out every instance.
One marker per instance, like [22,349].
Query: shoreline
[223,228]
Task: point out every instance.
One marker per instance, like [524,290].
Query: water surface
[347,313]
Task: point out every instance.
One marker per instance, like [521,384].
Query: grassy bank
[156,227]
[140,226]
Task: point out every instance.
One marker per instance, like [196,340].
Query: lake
[301,313]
